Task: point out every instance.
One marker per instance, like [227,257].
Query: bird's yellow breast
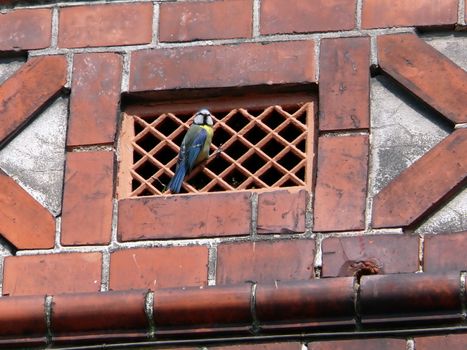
[204,154]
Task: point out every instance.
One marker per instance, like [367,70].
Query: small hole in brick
[254,163]
[273,119]
[272,148]
[254,185]
[289,161]
[136,156]
[148,142]
[161,182]
[271,176]
[237,121]
[217,188]
[146,192]
[255,135]
[135,184]
[290,183]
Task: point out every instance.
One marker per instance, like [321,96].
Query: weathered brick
[28,315]
[349,256]
[265,346]
[222,19]
[344,84]
[341,185]
[91,312]
[450,341]
[23,221]
[95,97]
[25,29]
[87,198]
[445,252]
[24,93]
[155,268]
[424,184]
[105,25]
[360,344]
[223,66]
[282,211]
[185,216]
[52,274]
[265,261]
[416,65]
[400,13]
[302,16]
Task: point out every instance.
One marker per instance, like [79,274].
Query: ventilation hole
[236,149]
[271,176]
[146,192]
[254,163]
[179,138]
[165,155]
[217,188]
[218,165]
[272,148]
[255,135]
[302,117]
[146,170]
[148,142]
[136,156]
[161,182]
[199,180]
[300,173]
[138,127]
[289,161]
[237,121]
[220,137]
[167,126]
[302,145]
[290,183]
[235,178]
[254,185]
[273,119]
[290,132]
[135,184]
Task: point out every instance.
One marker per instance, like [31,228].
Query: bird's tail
[176,183]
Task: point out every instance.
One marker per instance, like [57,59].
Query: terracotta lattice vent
[264,143]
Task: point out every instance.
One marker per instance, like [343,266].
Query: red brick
[35,83]
[424,184]
[25,29]
[265,261]
[185,216]
[416,65]
[344,84]
[155,268]
[52,274]
[223,66]
[22,316]
[87,198]
[23,221]
[400,13]
[302,16]
[360,344]
[450,341]
[348,256]
[88,312]
[105,25]
[340,194]
[445,252]
[203,307]
[265,346]
[282,211]
[95,98]
[224,19]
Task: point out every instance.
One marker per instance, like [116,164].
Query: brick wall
[389,162]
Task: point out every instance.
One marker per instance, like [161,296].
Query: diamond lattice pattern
[259,149]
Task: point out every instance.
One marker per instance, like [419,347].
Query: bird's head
[203,117]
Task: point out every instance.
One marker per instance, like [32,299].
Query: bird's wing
[193,144]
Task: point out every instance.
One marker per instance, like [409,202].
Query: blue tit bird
[194,149]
